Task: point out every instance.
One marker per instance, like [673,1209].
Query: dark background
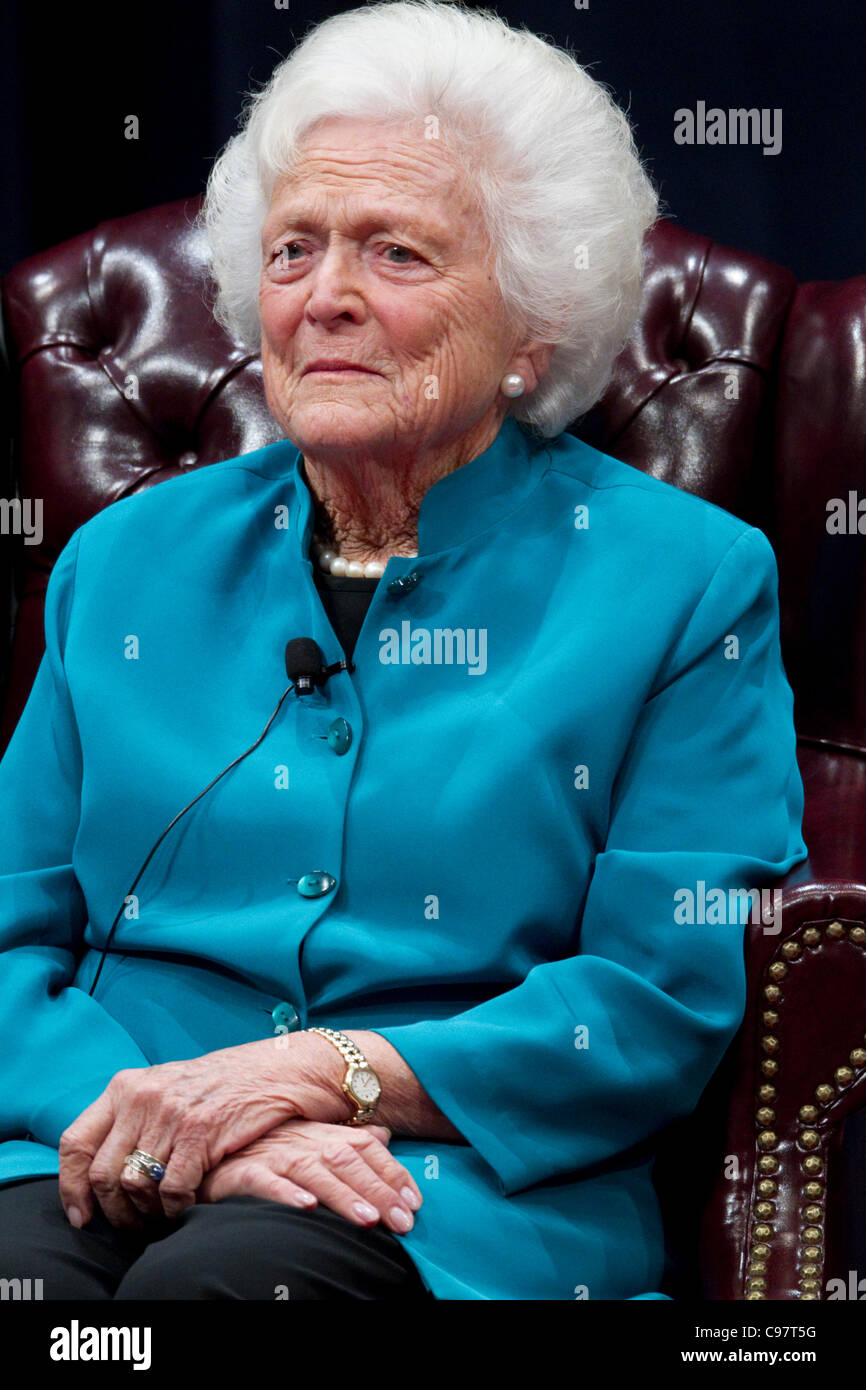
[70,74]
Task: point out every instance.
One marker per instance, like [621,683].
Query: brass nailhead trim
[811,1233]
[756,1282]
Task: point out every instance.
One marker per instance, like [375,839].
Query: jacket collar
[466,502]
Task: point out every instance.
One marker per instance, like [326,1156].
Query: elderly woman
[400,1004]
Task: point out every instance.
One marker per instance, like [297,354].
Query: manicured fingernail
[306,1199]
[74,1217]
[367,1213]
[410,1198]
[401,1219]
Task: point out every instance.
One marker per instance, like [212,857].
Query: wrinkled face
[374,253]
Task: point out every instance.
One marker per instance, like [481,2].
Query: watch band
[354,1057]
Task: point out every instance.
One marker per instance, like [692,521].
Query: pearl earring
[512,384]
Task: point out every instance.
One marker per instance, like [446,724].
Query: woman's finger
[142,1190]
[79,1144]
[338,1172]
[391,1171]
[110,1178]
[185,1171]
[254,1178]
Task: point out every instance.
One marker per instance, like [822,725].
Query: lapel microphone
[305,666]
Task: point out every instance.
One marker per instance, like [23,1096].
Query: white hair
[561,188]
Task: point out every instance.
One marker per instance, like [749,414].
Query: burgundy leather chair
[740,385]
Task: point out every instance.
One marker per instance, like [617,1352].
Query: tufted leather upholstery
[120,310]
[738,384]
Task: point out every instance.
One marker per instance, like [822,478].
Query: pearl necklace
[332,563]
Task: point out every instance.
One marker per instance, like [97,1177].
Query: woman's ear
[532,362]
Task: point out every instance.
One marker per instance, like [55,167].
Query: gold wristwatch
[361,1084]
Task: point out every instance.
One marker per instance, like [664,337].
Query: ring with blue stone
[145,1163]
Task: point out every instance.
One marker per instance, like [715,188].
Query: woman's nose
[334,284]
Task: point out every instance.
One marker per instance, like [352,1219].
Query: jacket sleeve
[59,1047]
[591,1055]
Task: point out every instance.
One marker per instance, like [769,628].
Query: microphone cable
[306,672]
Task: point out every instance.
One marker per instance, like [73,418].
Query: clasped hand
[237,1121]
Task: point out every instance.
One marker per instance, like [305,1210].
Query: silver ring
[145,1163]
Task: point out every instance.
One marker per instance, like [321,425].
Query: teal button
[340,737]
[286,1018]
[316,884]
[404,584]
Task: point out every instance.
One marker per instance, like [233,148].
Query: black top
[346,602]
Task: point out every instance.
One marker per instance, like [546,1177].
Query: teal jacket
[571,743]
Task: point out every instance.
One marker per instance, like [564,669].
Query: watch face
[365,1086]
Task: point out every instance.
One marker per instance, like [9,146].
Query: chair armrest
[772,1228]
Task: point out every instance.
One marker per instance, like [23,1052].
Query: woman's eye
[394,246]
[282,254]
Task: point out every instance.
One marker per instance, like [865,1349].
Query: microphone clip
[335,668]
[306,684]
